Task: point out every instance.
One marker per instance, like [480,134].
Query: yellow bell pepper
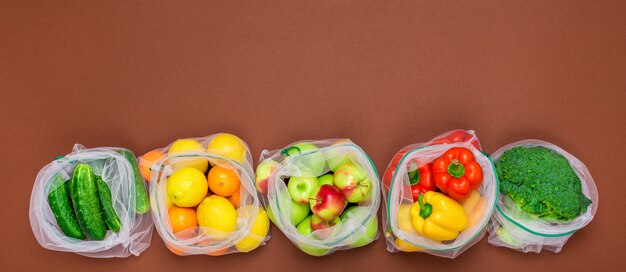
[438,217]
[406,246]
[404,224]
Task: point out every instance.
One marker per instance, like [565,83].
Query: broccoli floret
[541,182]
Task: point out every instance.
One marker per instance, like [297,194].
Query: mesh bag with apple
[203,197]
[545,218]
[323,195]
[92,202]
[439,195]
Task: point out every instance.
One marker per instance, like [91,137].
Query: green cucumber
[142,204]
[106,203]
[84,194]
[61,206]
[97,166]
[104,193]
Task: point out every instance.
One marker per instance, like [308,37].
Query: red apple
[263,173]
[320,225]
[327,202]
[352,182]
[304,228]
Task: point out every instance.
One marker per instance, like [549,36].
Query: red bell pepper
[422,180]
[457,136]
[457,173]
[394,164]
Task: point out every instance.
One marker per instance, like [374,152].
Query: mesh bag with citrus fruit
[203,197]
[323,195]
[92,202]
[439,195]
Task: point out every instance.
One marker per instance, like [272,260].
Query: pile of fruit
[83,205]
[445,200]
[203,195]
[321,197]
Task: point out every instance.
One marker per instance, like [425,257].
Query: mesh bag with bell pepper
[439,195]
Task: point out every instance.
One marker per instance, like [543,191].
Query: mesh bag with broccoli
[546,195]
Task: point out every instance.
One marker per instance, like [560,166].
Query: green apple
[302,189]
[309,162]
[371,228]
[367,197]
[326,179]
[338,157]
[305,229]
[270,214]
[352,182]
[263,172]
[339,161]
[298,212]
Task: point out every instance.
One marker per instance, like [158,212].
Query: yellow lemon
[187,145]
[168,202]
[229,146]
[257,234]
[218,215]
[187,187]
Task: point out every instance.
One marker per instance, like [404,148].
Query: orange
[182,218]
[179,249]
[210,242]
[175,250]
[234,198]
[218,252]
[147,160]
[222,181]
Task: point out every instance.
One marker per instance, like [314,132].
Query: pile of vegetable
[542,183]
[83,206]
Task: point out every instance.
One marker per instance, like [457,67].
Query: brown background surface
[383,73]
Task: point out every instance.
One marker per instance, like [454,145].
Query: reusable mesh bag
[400,234]
[118,173]
[200,240]
[312,160]
[513,228]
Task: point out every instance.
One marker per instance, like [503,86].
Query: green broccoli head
[541,182]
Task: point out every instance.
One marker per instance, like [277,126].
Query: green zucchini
[106,203]
[61,206]
[142,204]
[84,194]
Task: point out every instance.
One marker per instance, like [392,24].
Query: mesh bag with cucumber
[92,202]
